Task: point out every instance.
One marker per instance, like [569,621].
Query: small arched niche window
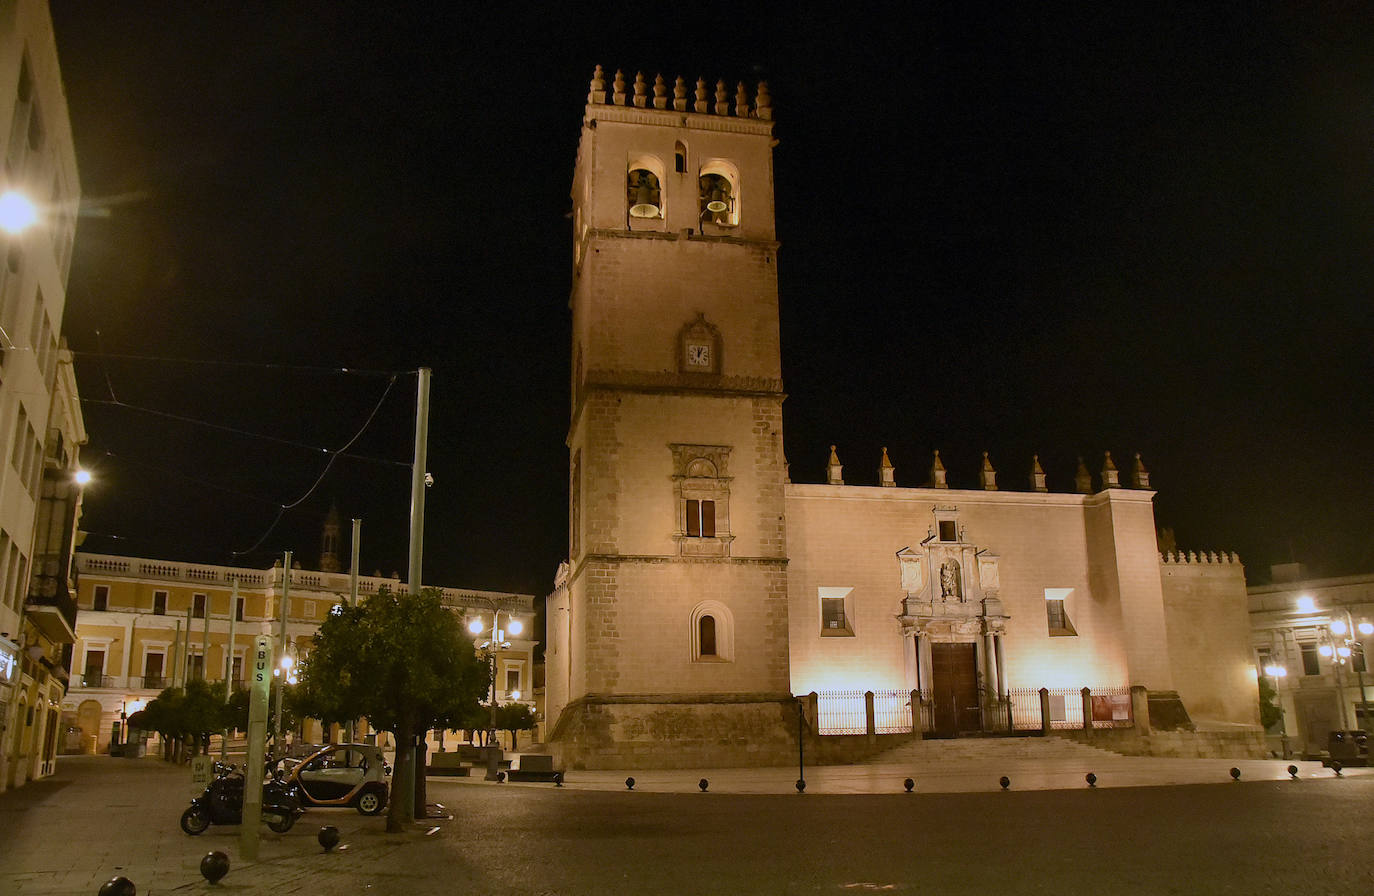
[680,158]
[644,194]
[713,633]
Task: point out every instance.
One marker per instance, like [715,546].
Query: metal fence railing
[892,712]
[841,712]
[1019,711]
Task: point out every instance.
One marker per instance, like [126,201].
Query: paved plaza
[1150,826]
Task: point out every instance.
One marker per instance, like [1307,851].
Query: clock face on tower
[699,355]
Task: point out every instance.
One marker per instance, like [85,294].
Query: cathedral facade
[705,593]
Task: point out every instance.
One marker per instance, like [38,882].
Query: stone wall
[1206,609]
[666,731]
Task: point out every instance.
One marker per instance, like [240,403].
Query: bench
[532,767]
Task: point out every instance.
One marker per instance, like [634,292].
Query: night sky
[1104,229]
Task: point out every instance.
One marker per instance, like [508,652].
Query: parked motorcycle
[222,803]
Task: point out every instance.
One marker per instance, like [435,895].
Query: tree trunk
[401,812]
[420,798]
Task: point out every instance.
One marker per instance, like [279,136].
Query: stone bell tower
[668,638]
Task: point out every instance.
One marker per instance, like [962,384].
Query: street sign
[259,686]
[200,774]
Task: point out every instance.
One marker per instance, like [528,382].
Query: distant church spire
[329,542]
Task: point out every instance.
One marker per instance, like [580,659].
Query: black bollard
[557,779]
[1336,767]
[214,866]
[908,784]
[801,785]
[328,837]
[1005,782]
[703,784]
[630,783]
[118,886]
[1091,779]
[1293,772]
[1235,773]
[500,777]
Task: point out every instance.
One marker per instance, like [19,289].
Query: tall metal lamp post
[496,642]
[1346,647]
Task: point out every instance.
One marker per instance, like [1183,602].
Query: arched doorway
[88,719]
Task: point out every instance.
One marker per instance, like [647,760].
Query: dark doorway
[954,691]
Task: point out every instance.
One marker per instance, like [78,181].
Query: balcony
[152,682]
[96,680]
[50,605]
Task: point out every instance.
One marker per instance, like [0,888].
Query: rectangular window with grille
[159,603]
[101,601]
[198,605]
[1057,613]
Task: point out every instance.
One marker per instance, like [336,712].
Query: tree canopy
[400,660]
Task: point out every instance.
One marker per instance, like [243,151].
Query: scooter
[222,803]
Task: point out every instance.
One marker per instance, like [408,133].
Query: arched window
[718,194]
[643,193]
[680,158]
[706,635]
[713,633]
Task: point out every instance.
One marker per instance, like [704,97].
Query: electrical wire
[304,368]
[327,467]
[240,432]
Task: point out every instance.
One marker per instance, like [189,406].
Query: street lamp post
[495,643]
[1345,647]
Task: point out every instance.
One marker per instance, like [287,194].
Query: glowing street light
[1306,604]
[17,212]
[82,477]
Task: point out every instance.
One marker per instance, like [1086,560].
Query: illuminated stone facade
[41,429]
[704,589]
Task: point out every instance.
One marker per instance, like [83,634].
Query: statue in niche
[950,588]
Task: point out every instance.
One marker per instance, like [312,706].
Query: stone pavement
[100,817]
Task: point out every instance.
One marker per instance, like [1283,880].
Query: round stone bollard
[909,785]
[1005,782]
[1235,773]
[630,783]
[1091,779]
[703,784]
[328,837]
[214,866]
[118,886]
[1293,772]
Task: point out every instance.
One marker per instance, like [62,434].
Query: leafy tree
[1271,713]
[186,715]
[514,717]
[402,661]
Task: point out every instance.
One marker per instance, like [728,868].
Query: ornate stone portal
[952,626]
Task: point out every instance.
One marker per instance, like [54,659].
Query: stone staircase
[984,749]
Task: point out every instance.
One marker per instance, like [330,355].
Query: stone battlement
[1196,558]
[703,100]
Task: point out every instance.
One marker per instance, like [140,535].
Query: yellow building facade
[144,625]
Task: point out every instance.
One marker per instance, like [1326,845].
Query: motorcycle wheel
[194,821]
[282,823]
[370,803]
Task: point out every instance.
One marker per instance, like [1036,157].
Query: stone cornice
[967,496]
[671,118]
[611,233]
[650,559]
